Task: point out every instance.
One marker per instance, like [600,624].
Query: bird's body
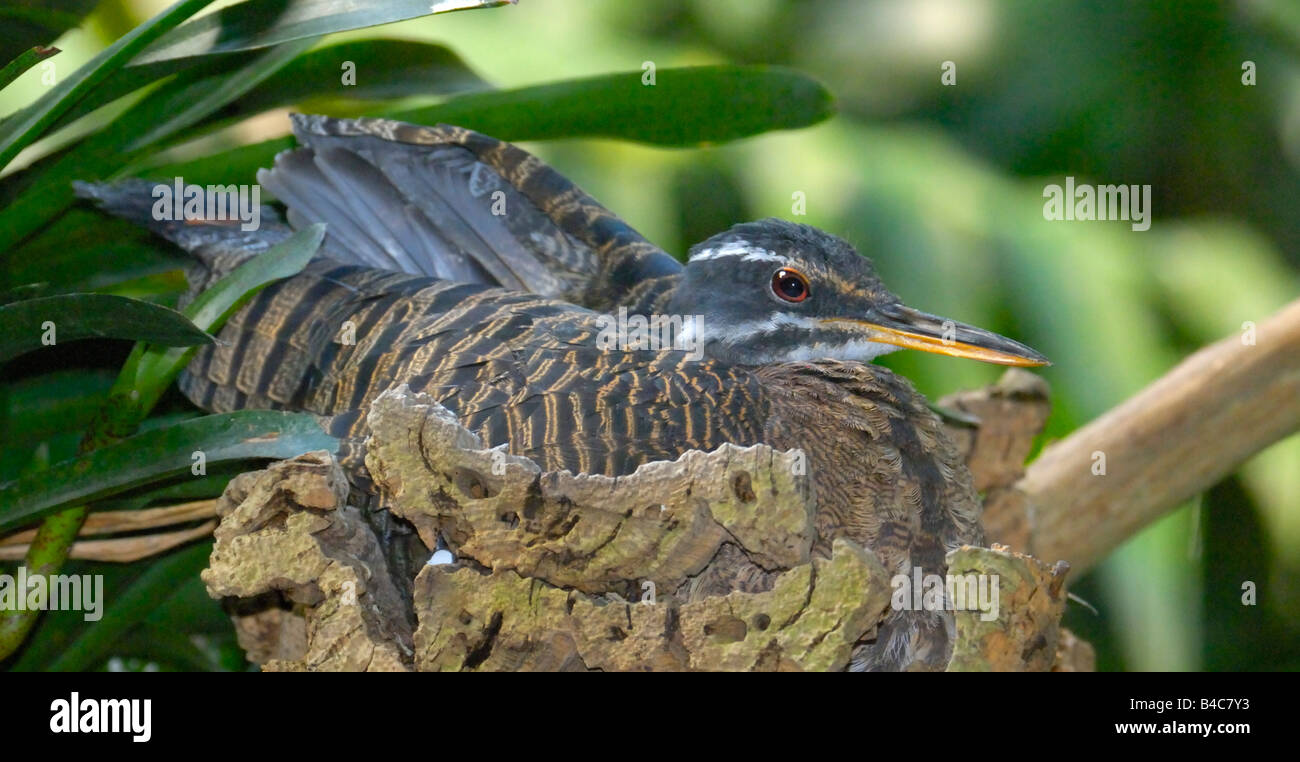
[526,364]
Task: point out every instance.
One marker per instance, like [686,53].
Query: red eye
[790,285]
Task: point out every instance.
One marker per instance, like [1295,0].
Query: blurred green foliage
[941,185]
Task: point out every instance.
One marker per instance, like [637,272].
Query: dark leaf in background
[27,23]
[157,454]
[82,316]
[16,134]
[685,107]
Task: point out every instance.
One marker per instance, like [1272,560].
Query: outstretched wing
[451,203]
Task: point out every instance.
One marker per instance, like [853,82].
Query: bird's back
[517,369]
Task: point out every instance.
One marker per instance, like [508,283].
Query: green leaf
[131,606]
[686,106]
[38,24]
[82,316]
[193,106]
[283,260]
[127,80]
[23,62]
[16,135]
[251,25]
[384,69]
[24,291]
[155,367]
[43,405]
[154,455]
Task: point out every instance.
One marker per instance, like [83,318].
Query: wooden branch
[1171,441]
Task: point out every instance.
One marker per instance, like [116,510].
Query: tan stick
[122,549]
[109,522]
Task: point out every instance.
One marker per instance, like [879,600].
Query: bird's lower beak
[903,326]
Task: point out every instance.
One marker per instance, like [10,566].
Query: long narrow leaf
[25,61]
[250,25]
[154,455]
[155,368]
[79,316]
[129,607]
[227,90]
[686,106]
[682,109]
[19,134]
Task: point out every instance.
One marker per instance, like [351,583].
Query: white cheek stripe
[742,249]
[856,350]
[736,333]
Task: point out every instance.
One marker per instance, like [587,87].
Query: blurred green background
[942,187]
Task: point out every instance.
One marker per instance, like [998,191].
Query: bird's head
[774,291]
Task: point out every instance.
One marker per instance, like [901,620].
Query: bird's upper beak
[902,326]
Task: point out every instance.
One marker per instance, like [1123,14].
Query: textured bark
[702,563]
[1020,633]
[288,547]
[589,532]
[809,620]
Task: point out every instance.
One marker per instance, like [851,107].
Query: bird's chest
[882,471]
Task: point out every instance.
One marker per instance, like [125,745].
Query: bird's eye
[790,285]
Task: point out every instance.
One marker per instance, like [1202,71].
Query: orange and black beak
[902,326]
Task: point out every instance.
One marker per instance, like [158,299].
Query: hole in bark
[727,629]
[532,504]
[484,648]
[617,634]
[761,621]
[511,518]
[471,483]
[743,487]
[464,617]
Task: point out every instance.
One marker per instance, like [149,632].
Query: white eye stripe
[742,249]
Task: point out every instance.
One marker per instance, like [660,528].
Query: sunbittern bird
[467,269]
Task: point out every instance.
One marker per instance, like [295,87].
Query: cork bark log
[702,563]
